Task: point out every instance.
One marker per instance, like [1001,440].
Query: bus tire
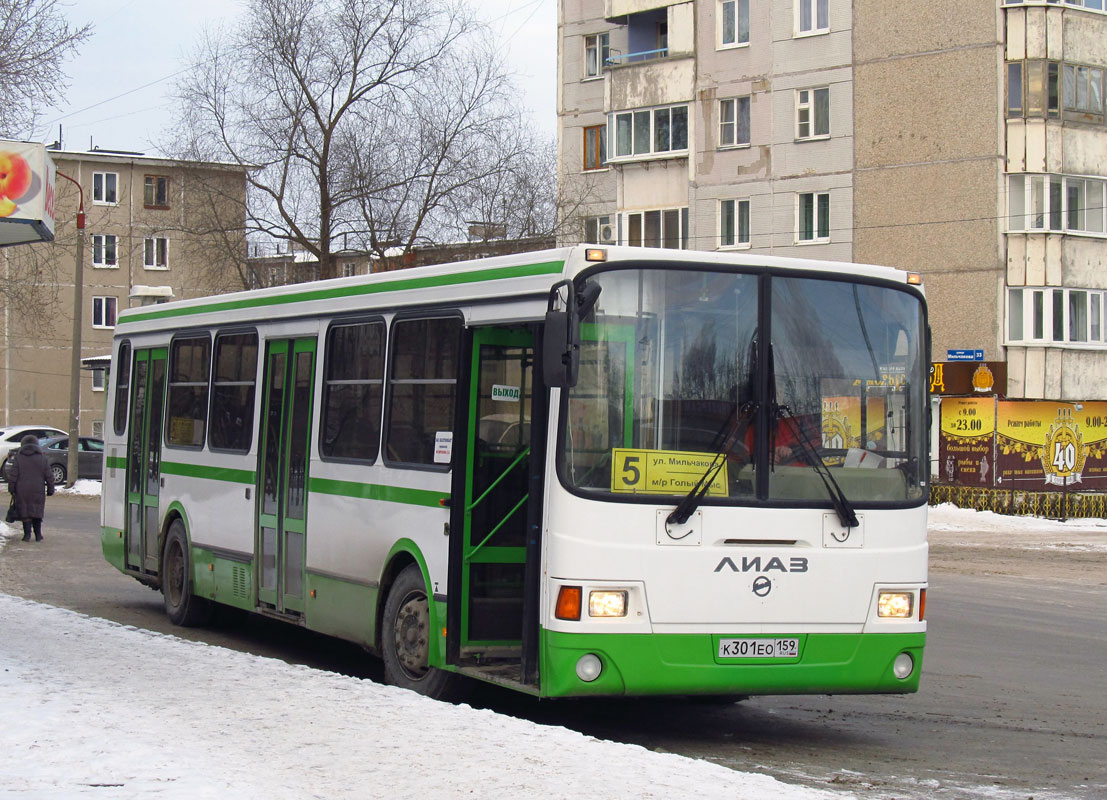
[405,640]
[181,605]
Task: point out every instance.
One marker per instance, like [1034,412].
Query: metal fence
[1054,505]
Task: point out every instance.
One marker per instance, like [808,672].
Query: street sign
[964,355]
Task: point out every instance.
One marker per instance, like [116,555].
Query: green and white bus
[585,471]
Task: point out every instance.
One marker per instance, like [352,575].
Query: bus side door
[144,459]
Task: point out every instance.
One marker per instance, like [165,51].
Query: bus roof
[497,278]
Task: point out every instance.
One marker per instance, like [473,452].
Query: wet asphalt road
[1013,701]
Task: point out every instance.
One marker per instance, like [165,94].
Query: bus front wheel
[181,605]
[405,639]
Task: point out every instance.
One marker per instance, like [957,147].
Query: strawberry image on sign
[15,180]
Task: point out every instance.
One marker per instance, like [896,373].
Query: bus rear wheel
[181,605]
[405,640]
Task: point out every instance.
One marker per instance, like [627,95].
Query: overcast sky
[120,83]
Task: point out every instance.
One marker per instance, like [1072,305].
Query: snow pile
[948,517]
[82,487]
[92,708]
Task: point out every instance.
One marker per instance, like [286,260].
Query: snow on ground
[948,517]
[87,488]
[92,708]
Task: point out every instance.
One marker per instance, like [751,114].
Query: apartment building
[963,139]
[156,230]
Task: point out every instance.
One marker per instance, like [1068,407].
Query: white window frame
[100,194]
[99,380]
[597,224]
[734,114]
[740,9]
[812,7]
[100,247]
[100,306]
[807,105]
[597,46]
[738,210]
[349,269]
[1041,202]
[152,250]
[1056,316]
[654,113]
[664,220]
[820,200]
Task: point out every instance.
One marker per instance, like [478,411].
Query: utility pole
[75,362]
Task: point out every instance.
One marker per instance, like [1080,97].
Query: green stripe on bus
[372,491]
[115,462]
[498,273]
[210,473]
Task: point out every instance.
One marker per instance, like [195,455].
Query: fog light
[902,668]
[895,604]
[607,604]
[589,667]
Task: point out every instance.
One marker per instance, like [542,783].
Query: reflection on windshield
[670,376]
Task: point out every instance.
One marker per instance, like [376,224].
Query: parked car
[12,435]
[90,458]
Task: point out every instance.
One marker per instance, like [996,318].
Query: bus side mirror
[561,338]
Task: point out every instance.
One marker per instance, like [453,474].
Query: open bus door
[493,583]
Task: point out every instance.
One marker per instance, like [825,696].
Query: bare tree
[321,98]
[35,41]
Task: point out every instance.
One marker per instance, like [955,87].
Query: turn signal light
[922,605]
[568,603]
[914,279]
[595,254]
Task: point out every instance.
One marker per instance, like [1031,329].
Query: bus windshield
[681,370]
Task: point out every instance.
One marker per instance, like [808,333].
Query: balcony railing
[632,58]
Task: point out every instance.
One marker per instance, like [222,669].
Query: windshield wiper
[837,497]
[686,507]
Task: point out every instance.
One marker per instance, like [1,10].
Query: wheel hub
[413,635]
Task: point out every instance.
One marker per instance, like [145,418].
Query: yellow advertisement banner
[663,472]
[968,417]
[1031,422]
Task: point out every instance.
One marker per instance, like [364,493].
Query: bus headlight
[895,604]
[607,604]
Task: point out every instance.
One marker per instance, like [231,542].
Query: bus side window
[232,391]
[422,387]
[122,388]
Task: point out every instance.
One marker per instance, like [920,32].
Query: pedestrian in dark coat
[31,480]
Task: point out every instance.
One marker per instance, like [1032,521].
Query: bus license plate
[758,648]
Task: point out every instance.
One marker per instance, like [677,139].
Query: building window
[232,391]
[813,215]
[104,250]
[734,121]
[156,192]
[734,23]
[98,381]
[105,188]
[103,312]
[734,223]
[1083,91]
[156,252]
[353,387]
[813,113]
[98,430]
[1040,315]
[595,147]
[1033,89]
[599,230]
[186,411]
[596,51]
[421,390]
[660,228]
[649,132]
[812,16]
[349,269]
[1057,203]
